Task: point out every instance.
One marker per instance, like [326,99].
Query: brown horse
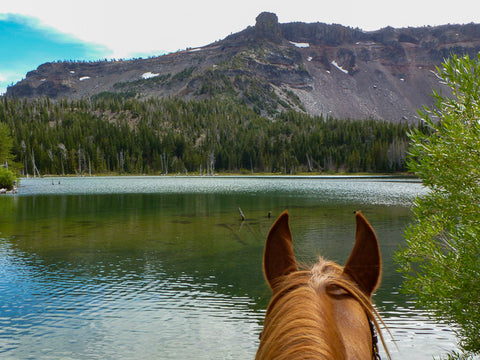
[325,312]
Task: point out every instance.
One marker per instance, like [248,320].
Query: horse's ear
[365,262]
[278,258]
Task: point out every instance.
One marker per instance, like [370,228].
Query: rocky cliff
[316,68]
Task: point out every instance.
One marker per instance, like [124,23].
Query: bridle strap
[375,353]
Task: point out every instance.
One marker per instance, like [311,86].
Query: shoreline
[233,175]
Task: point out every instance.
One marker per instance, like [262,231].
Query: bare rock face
[316,68]
[267,27]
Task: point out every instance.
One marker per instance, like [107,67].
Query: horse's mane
[298,322]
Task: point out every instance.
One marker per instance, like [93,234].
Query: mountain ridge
[314,68]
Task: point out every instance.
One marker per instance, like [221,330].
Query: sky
[33,32]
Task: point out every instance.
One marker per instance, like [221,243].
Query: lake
[164,268]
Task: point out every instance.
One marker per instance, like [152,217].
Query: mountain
[314,68]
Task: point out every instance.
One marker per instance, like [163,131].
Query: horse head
[324,312]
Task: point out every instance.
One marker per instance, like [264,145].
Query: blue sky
[26,44]
[33,32]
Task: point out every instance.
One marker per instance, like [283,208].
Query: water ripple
[412,332]
[381,190]
[63,315]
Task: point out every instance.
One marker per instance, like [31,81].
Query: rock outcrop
[267,27]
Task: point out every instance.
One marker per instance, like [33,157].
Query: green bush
[6,179]
[441,259]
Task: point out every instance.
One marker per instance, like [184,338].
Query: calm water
[162,267]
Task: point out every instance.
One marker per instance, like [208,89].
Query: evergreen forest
[120,134]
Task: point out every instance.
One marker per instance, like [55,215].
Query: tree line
[121,134]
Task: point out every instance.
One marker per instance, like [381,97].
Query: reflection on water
[53,313]
[122,268]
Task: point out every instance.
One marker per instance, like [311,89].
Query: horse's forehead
[324,269]
[347,314]
[324,274]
